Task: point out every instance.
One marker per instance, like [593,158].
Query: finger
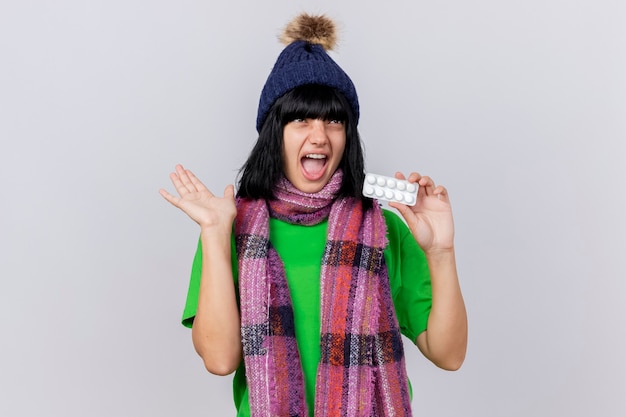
[427,186]
[414,177]
[170,198]
[442,193]
[229,192]
[404,210]
[183,176]
[178,184]
[426,181]
[199,186]
[400,176]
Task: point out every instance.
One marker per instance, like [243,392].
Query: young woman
[300,284]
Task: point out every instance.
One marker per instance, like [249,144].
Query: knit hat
[305,61]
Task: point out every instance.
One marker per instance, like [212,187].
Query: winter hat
[305,61]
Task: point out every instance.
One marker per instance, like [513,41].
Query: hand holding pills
[424,206]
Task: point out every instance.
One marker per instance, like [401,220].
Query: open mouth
[313,165]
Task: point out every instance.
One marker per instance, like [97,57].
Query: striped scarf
[361,370]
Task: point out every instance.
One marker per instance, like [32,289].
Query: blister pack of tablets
[390,189]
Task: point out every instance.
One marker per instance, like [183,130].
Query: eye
[335,122]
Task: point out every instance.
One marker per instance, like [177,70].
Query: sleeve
[409,277]
[191,303]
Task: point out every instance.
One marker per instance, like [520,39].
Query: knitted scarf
[361,370]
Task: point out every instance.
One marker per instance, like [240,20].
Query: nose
[317,135]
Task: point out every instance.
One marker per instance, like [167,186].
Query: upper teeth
[316,156]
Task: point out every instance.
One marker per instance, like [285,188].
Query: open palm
[199,203]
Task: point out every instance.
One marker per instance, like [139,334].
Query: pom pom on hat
[312,29]
[305,61]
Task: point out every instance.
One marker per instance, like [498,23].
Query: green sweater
[301,249]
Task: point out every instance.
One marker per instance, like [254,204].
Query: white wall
[518,107]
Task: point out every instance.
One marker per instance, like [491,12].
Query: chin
[311,188]
[308,186]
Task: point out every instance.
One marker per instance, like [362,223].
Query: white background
[518,107]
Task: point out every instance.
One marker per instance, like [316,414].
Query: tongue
[313,166]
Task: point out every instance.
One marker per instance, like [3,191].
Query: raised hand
[430,219]
[205,208]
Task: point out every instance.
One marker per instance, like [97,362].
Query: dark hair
[264,166]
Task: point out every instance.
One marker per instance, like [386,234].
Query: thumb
[403,209]
[229,192]
[409,215]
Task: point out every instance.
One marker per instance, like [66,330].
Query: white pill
[381,181]
[369,190]
[379,193]
[401,186]
[391,183]
[411,187]
[371,178]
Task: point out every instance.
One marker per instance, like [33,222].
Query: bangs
[313,101]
